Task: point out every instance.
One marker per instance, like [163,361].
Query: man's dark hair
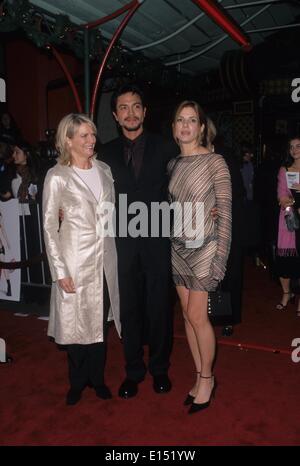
[246,147]
[133,88]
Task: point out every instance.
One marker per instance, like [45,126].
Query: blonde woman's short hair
[66,129]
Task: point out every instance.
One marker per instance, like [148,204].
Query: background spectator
[7,171]
[9,132]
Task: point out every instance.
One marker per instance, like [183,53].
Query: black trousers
[146,315]
[86,363]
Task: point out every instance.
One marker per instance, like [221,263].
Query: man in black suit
[138,161]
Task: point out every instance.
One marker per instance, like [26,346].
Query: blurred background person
[233,279]
[266,195]
[9,132]
[288,243]
[25,186]
[7,171]
[252,225]
[4,244]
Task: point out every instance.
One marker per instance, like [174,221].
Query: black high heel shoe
[190,398]
[291,299]
[195,407]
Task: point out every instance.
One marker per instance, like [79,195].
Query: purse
[219,307]
[291,218]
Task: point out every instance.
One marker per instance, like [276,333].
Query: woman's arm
[52,195]
[285,197]
[222,187]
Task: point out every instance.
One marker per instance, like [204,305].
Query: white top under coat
[90,177]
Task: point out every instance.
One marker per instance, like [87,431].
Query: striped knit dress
[202,178]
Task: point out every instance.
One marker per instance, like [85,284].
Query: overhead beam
[218,41]
[68,76]
[251,4]
[274,28]
[217,15]
[170,36]
[106,19]
[134,6]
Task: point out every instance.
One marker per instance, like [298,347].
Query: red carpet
[257,401]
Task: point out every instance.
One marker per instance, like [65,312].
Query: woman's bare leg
[285,284]
[205,337]
[183,294]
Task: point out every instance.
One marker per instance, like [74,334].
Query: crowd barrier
[33,264]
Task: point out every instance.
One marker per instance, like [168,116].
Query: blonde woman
[83,263]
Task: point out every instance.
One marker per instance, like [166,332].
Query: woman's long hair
[31,160]
[289,159]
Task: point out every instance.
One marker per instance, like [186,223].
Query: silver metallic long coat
[78,249]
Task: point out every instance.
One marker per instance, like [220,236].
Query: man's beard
[133,128]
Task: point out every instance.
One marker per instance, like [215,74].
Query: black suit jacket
[151,186]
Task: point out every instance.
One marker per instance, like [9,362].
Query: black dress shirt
[134,153]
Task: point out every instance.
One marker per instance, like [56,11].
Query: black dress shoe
[227,331]
[73,396]
[161,383]
[102,391]
[128,389]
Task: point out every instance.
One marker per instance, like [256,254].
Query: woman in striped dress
[201,179]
